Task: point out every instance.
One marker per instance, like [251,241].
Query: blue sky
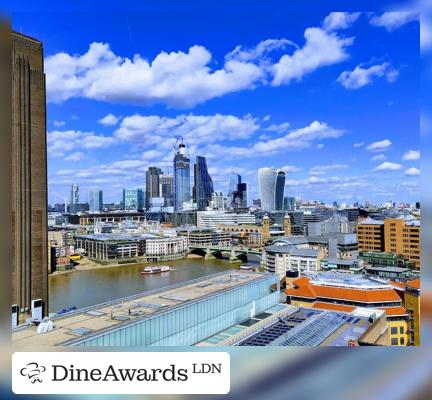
[331,98]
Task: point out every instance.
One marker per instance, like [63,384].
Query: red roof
[414,283]
[356,295]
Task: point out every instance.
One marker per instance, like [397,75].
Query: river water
[86,288]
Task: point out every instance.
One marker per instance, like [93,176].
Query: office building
[28,174]
[370,235]
[133,199]
[345,292]
[95,200]
[272,184]
[74,196]
[181,177]
[112,247]
[166,189]
[213,219]
[289,255]
[402,236]
[234,181]
[218,201]
[239,197]
[289,203]
[203,184]
[152,184]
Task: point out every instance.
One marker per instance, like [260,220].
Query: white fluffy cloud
[388,166]
[58,124]
[77,156]
[260,51]
[381,145]
[322,169]
[321,49]
[179,79]
[184,79]
[291,168]
[379,157]
[360,144]
[412,171]
[109,120]
[195,129]
[339,20]
[362,76]
[393,20]
[294,140]
[60,143]
[411,155]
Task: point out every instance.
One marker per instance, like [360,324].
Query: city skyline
[327,120]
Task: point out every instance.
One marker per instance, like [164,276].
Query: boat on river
[155,269]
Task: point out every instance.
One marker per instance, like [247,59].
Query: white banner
[121,373]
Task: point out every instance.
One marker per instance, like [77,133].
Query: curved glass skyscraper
[203,184]
[181,177]
[272,184]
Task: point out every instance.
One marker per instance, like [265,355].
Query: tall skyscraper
[288,203]
[235,179]
[95,200]
[203,184]
[74,194]
[29,174]
[133,199]
[166,189]
[272,184]
[239,196]
[152,184]
[181,177]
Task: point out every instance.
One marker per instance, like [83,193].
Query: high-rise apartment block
[29,175]
[74,197]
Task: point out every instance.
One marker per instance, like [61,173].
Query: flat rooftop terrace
[96,319]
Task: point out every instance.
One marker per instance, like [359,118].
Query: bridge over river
[233,253]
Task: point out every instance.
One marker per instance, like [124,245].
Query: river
[86,288]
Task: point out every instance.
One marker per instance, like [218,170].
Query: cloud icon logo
[32,371]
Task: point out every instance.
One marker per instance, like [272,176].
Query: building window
[394,342]
[401,330]
[394,330]
[402,341]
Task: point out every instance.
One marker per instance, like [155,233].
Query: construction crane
[64,199]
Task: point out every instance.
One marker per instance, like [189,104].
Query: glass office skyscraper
[235,180]
[166,184]
[181,177]
[95,200]
[203,184]
[133,199]
[272,184]
[152,184]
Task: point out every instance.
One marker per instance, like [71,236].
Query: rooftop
[71,327]
[313,327]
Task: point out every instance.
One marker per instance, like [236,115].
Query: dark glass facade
[203,184]
[152,184]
